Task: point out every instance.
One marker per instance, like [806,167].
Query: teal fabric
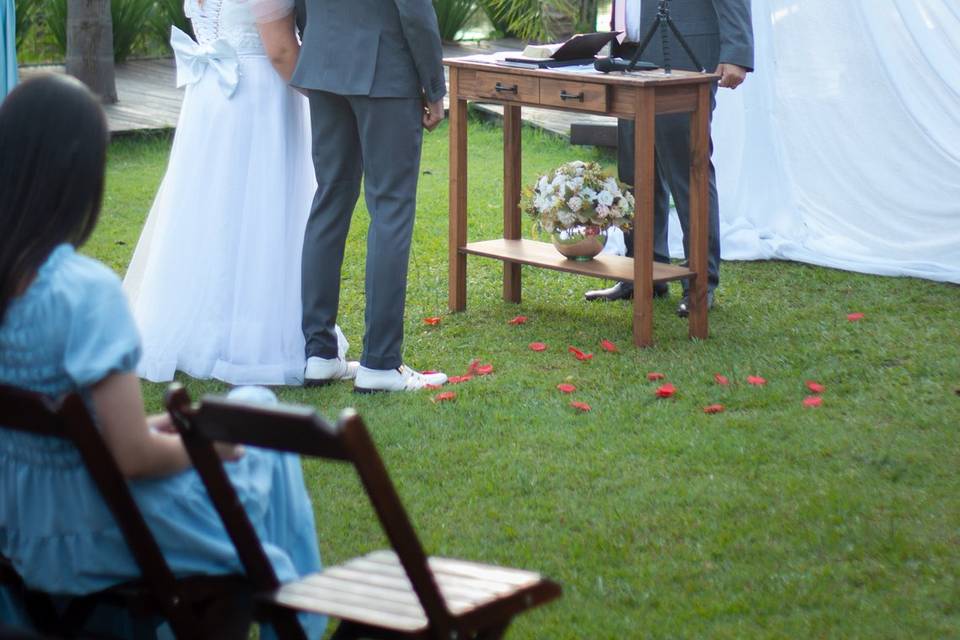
[68,331]
[8,47]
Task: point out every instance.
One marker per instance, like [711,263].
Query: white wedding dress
[214,282]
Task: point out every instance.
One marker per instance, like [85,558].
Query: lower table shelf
[543,254]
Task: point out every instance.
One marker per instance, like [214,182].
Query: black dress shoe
[619,291]
[683,309]
[624,291]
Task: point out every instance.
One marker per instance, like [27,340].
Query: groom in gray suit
[720,33]
[373,73]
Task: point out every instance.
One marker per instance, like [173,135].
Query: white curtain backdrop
[843,148]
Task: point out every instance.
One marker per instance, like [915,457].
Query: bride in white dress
[214,282]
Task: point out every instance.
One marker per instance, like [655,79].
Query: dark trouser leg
[337,163]
[661,197]
[673,160]
[391,134]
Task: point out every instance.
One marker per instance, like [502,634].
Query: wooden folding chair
[385,594]
[198,607]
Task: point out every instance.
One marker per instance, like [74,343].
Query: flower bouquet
[576,203]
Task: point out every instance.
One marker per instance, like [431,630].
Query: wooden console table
[639,96]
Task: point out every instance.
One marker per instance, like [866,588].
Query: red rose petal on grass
[853,317]
[608,346]
[473,366]
[655,375]
[579,355]
[566,388]
[459,379]
[713,408]
[580,406]
[812,401]
[446,395]
[665,390]
[721,379]
[517,320]
[756,381]
[432,320]
[484,369]
[815,387]
[537,346]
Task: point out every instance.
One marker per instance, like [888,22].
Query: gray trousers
[672,151]
[378,140]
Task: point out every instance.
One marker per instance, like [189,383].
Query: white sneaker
[321,371]
[403,378]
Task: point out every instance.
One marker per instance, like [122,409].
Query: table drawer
[508,88]
[586,96]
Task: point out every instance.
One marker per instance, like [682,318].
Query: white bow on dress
[193,60]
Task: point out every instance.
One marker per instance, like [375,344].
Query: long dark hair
[53,147]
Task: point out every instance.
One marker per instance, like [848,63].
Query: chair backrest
[298,430]
[69,419]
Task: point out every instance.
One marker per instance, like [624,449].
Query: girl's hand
[228,451]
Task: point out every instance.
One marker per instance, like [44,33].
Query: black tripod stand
[663,21]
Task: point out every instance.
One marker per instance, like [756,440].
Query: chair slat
[448,591]
[292,428]
[327,580]
[332,594]
[464,568]
[446,582]
[352,613]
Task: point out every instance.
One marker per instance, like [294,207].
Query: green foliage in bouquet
[578,194]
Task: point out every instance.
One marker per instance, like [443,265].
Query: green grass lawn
[767,520]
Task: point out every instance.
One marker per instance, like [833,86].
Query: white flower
[605,198]
[610,184]
[566,217]
[575,203]
[603,210]
[588,194]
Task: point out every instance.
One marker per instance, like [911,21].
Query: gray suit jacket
[717,31]
[375,48]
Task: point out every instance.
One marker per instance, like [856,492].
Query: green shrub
[530,19]
[55,19]
[452,15]
[167,13]
[25,11]
[129,18]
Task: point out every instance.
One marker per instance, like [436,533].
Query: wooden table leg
[511,197]
[643,180]
[699,211]
[458,197]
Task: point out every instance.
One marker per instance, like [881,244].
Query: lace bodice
[229,20]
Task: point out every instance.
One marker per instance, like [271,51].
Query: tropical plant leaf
[452,15]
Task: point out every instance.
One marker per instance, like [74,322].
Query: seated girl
[65,327]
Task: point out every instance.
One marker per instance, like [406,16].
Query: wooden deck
[149,99]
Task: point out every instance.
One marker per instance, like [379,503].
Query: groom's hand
[432,114]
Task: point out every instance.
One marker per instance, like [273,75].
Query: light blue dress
[8,47]
[69,330]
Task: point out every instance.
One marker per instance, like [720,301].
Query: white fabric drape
[843,148]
